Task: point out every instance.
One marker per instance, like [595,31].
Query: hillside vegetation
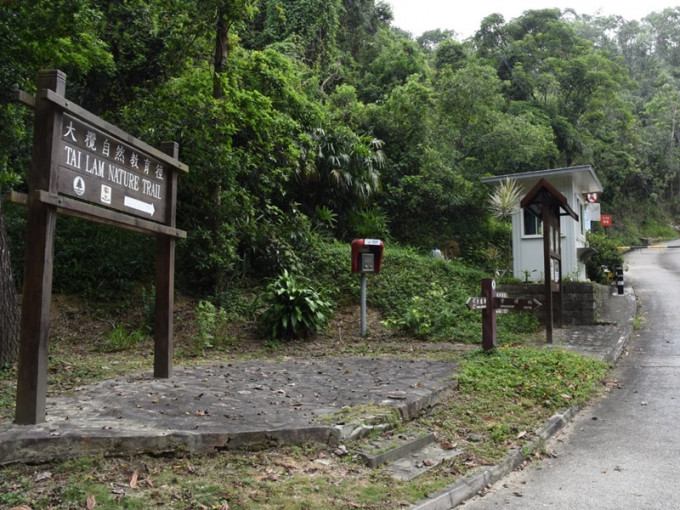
[308,124]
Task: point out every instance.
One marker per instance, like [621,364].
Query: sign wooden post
[546,203]
[165,281]
[37,289]
[552,271]
[492,302]
[85,167]
[489,329]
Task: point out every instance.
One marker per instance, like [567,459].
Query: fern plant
[295,310]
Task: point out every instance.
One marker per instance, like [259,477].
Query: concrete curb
[469,486]
[46,449]
[374,460]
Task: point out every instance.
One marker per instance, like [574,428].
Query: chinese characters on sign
[98,168]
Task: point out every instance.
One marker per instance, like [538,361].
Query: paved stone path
[225,406]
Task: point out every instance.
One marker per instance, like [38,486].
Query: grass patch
[8,388]
[121,339]
[507,394]
[370,414]
[553,377]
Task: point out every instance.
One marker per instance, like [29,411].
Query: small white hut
[527,234]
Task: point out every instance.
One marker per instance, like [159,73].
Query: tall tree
[396,58]
[361,20]
[229,13]
[551,71]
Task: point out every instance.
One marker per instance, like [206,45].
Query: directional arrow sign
[139,205]
[517,304]
[476,303]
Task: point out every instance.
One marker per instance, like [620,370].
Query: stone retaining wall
[582,301]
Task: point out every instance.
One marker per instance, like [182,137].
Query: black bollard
[619,280]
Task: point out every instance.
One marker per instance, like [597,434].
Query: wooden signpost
[500,302]
[86,167]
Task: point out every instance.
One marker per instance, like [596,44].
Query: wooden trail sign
[86,167]
[100,169]
[501,303]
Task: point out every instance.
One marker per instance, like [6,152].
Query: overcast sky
[418,16]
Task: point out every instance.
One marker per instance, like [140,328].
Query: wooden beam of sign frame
[78,209]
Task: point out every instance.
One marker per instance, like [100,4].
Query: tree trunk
[221,56]
[9,309]
[221,51]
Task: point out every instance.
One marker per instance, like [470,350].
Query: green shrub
[100,261]
[426,296]
[427,315]
[92,260]
[369,223]
[325,219]
[608,257]
[330,263]
[212,325]
[295,310]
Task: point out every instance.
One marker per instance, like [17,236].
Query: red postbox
[367,255]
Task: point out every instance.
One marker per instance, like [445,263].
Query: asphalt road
[623,452]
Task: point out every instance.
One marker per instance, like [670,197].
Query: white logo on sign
[79,186]
[106,194]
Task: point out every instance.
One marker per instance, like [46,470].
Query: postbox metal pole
[489,331]
[363,304]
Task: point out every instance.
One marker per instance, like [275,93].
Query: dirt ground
[83,327]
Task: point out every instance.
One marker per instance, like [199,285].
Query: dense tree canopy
[301,117]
